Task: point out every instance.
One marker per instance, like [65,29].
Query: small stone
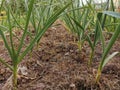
[53,28]
[72,85]
[66,54]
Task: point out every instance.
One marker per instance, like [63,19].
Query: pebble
[72,85]
[66,54]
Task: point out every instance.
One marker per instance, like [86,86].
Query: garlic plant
[17,55]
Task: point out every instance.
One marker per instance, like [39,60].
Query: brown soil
[58,65]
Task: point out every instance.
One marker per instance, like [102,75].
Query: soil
[57,64]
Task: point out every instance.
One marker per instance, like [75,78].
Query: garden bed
[58,65]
